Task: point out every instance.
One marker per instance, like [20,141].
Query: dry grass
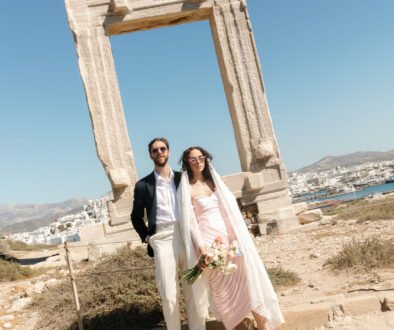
[335,209]
[371,253]
[9,245]
[365,210]
[22,246]
[4,246]
[112,298]
[118,293]
[323,233]
[11,271]
[280,277]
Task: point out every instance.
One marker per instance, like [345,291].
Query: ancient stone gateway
[261,187]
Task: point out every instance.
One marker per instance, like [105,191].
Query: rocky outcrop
[310,216]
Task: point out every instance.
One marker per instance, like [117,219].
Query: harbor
[369,191]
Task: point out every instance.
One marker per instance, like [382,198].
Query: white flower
[223,254]
[235,248]
[230,268]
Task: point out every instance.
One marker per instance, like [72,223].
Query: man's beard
[161,162]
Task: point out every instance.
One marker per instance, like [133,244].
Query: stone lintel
[115,27]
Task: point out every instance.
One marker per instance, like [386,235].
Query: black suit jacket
[145,199]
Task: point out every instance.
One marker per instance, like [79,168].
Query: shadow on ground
[121,319]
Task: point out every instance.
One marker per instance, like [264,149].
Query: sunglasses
[160,149]
[195,160]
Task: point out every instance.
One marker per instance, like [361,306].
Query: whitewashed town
[67,228]
[340,180]
[335,181]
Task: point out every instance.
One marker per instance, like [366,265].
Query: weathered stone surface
[6,318]
[254,181]
[328,220]
[20,290]
[361,304]
[387,304]
[19,304]
[38,287]
[300,207]
[271,228]
[94,252]
[259,229]
[310,216]
[92,25]
[263,150]
[120,7]
[336,312]
[51,282]
[283,219]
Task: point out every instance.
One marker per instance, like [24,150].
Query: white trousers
[170,257]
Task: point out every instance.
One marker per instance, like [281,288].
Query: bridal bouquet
[218,258]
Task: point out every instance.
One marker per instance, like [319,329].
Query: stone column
[105,106]
[264,179]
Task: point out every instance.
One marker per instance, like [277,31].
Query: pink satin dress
[229,292]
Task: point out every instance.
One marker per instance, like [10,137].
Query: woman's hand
[203,250]
[201,261]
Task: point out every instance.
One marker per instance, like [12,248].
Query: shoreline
[358,194]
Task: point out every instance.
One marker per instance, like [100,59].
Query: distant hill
[26,217]
[355,158]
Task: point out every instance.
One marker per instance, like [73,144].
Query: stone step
[329,310]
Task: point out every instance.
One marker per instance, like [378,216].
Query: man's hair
[164,140]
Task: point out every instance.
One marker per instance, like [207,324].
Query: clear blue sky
[328,68]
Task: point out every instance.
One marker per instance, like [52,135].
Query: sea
[369,191]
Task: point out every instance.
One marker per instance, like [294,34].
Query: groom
[156,194]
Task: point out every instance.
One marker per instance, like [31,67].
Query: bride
[208,210]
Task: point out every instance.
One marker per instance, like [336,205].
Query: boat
[390,179]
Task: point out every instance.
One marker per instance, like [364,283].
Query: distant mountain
[27,217]
[355,158]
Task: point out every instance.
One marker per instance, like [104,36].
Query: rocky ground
[324,299]
[15,296]
[321,300]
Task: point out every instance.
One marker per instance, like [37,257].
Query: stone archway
[262,184]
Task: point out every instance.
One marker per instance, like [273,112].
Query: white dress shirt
[167,208]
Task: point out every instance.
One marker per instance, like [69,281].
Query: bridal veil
[262,295]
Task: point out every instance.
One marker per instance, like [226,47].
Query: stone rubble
[305,251]
[16,296]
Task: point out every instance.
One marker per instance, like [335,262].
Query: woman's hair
[184,160]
